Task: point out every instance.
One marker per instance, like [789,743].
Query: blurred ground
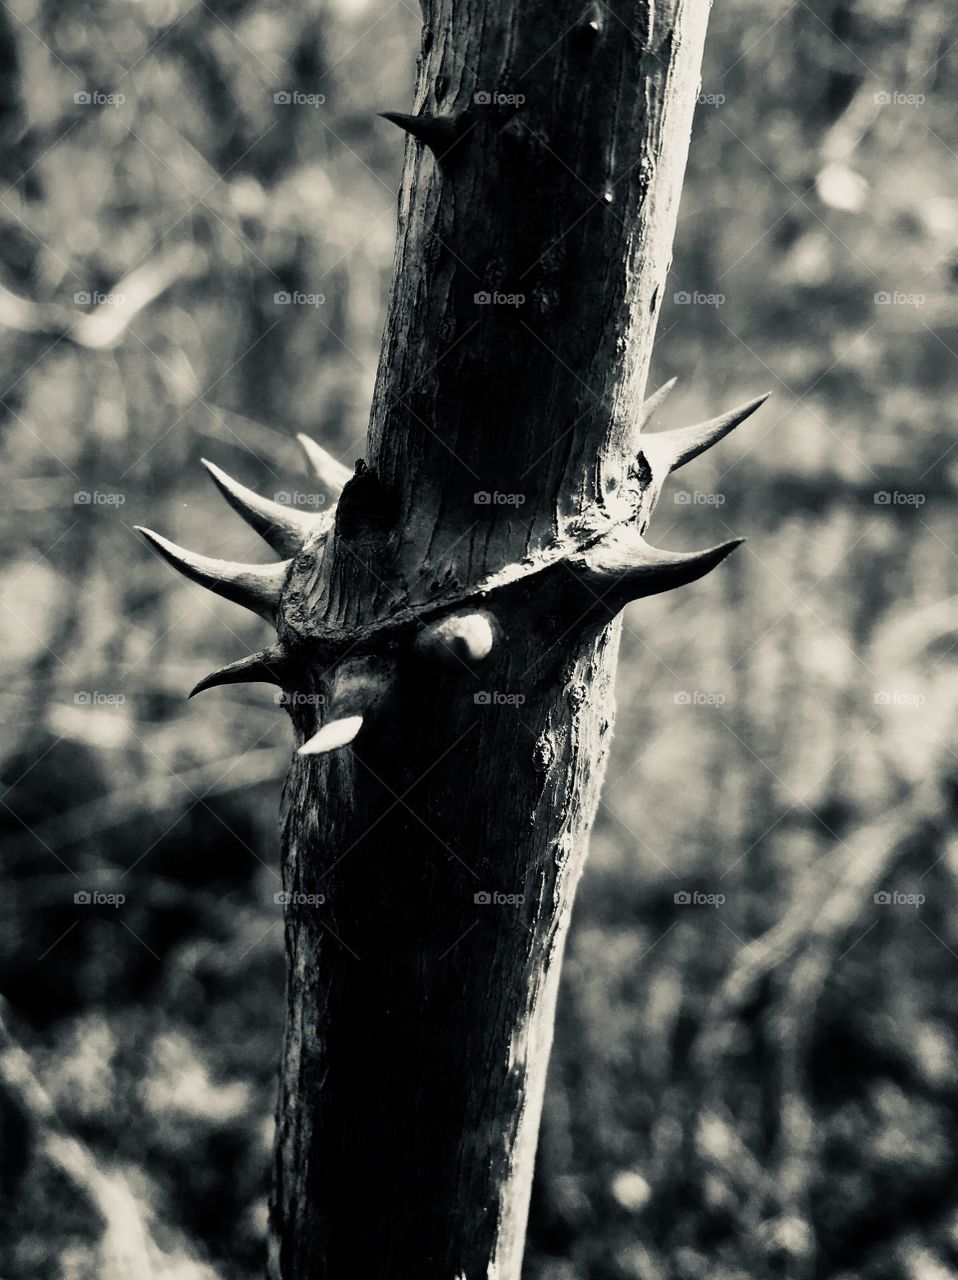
[756,1066]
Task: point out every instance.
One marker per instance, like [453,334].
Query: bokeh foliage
[760,1087]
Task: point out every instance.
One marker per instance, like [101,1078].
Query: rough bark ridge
[448,658]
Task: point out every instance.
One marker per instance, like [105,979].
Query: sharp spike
[656,400]
[337,733]
[626,561]
[265,666]
[438,133]
[668,450]
[459,637]
[254,586]
[284,528]
[329,471]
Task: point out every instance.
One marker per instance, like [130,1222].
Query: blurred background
[756,1064]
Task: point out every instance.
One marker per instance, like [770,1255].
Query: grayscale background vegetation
[756,1063]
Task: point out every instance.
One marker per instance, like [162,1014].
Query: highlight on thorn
[285,529]
[668,450]
[334,734]
[255,586]
[329,471]
[623,567]
[461,637]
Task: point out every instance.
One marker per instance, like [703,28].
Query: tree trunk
[419,1016]
[454,623]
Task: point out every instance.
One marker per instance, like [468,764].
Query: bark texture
[420,1017]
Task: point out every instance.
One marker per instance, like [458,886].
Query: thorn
[329,471]
[265,666]
[438,133]
[254,586]
[337,733]
[466,637]
[284,528]
[626,560]
[656,400]
[669,450]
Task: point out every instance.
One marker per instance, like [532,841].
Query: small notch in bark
[366,508]
[589,27]
[545,752]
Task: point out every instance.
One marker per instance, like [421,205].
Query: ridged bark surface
[420,1020]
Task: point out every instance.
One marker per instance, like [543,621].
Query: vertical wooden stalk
[535,237]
